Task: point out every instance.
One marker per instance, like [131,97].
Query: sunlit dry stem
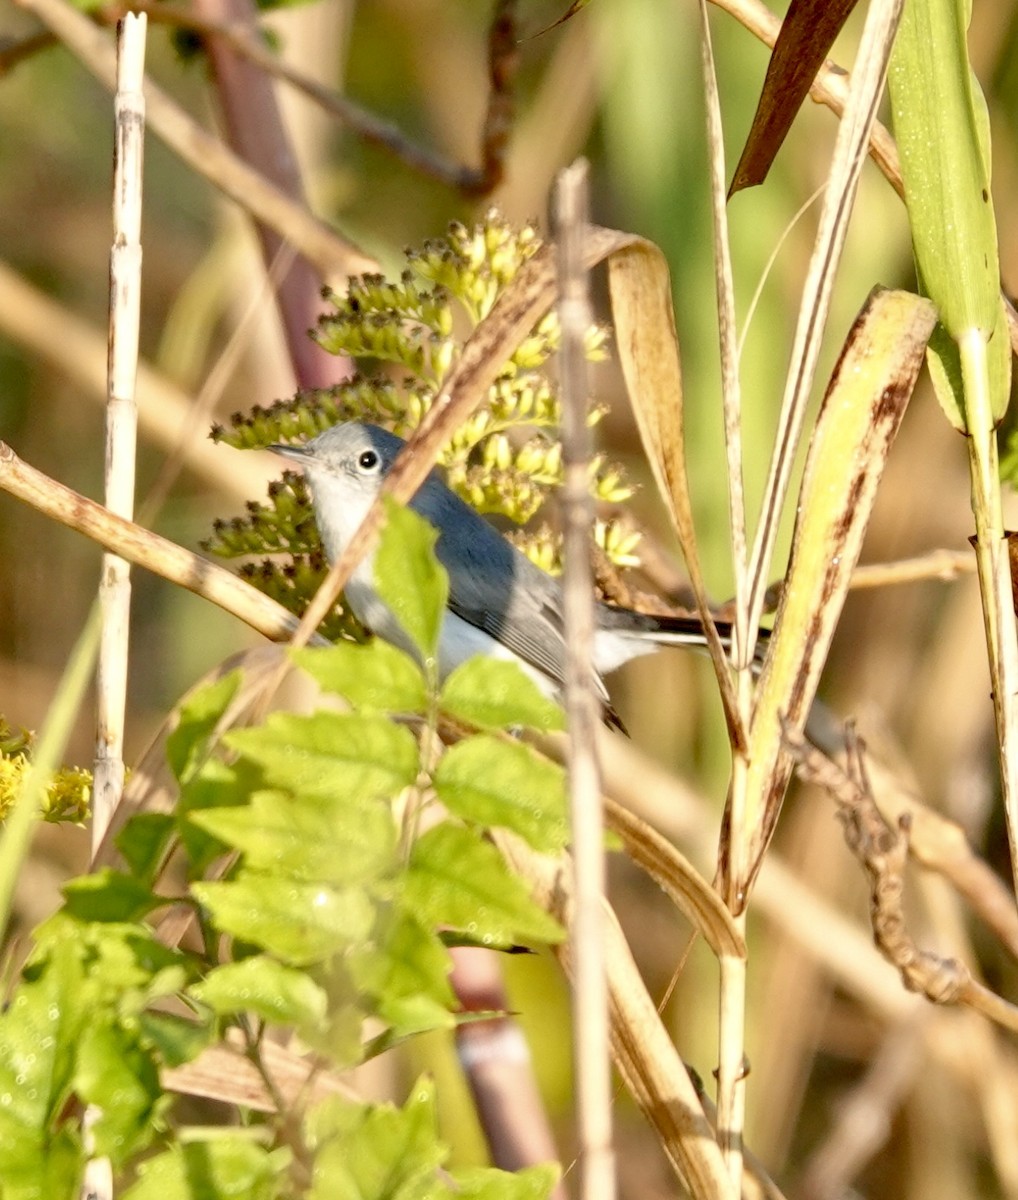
[589,992]
[993,562]
[854,130]
[731,1085]
[731,391]
[121,418]
[121,447]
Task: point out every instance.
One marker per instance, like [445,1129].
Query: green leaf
[487,1183]
[227,1165]
[332,755]
[377,1152]
[39,1035]
[943,357]
[494,694]
[454,878]
[200,713]
[340,1038]
[942,130]
[144,843]
[493,782]
[121,1079]
[410,579]
[301,923]
[278,994]
[215,785]
[375,677]
[407,973]
[333,840]
[177,1040]
[109,895]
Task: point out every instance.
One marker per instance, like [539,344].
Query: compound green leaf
[379,1152]
[109,895]
[228,1165]
[344,841]
[454,878]
[121,1079]
[333,755]
[39,1032]
[144,842]
[494,694]
[301,923]
[200,713]
[486,1183]
[375,677]
[493,782]
[410,579]
[279,994]
[406,971]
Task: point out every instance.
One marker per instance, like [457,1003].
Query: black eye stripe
[367,460]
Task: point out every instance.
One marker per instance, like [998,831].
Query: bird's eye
[368,460]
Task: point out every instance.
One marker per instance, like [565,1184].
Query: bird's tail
[662,630]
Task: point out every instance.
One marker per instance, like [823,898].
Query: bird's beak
[298,452]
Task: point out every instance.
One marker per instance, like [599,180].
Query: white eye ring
[368,460]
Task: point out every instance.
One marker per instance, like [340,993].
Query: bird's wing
[492,585]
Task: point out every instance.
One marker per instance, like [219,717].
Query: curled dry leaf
[679,879]
[858,420]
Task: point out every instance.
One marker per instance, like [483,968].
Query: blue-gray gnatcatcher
[500,603]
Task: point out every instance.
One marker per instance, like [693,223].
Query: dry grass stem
[121,448]
[121,418]
[644,1054]
[589,991]
[945,565]
[865,92]
[731,387]
[731,1076]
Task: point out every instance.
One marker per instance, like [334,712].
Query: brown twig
[497,1066]
[935,842]
[883,851]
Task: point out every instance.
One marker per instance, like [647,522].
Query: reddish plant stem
[255,131]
